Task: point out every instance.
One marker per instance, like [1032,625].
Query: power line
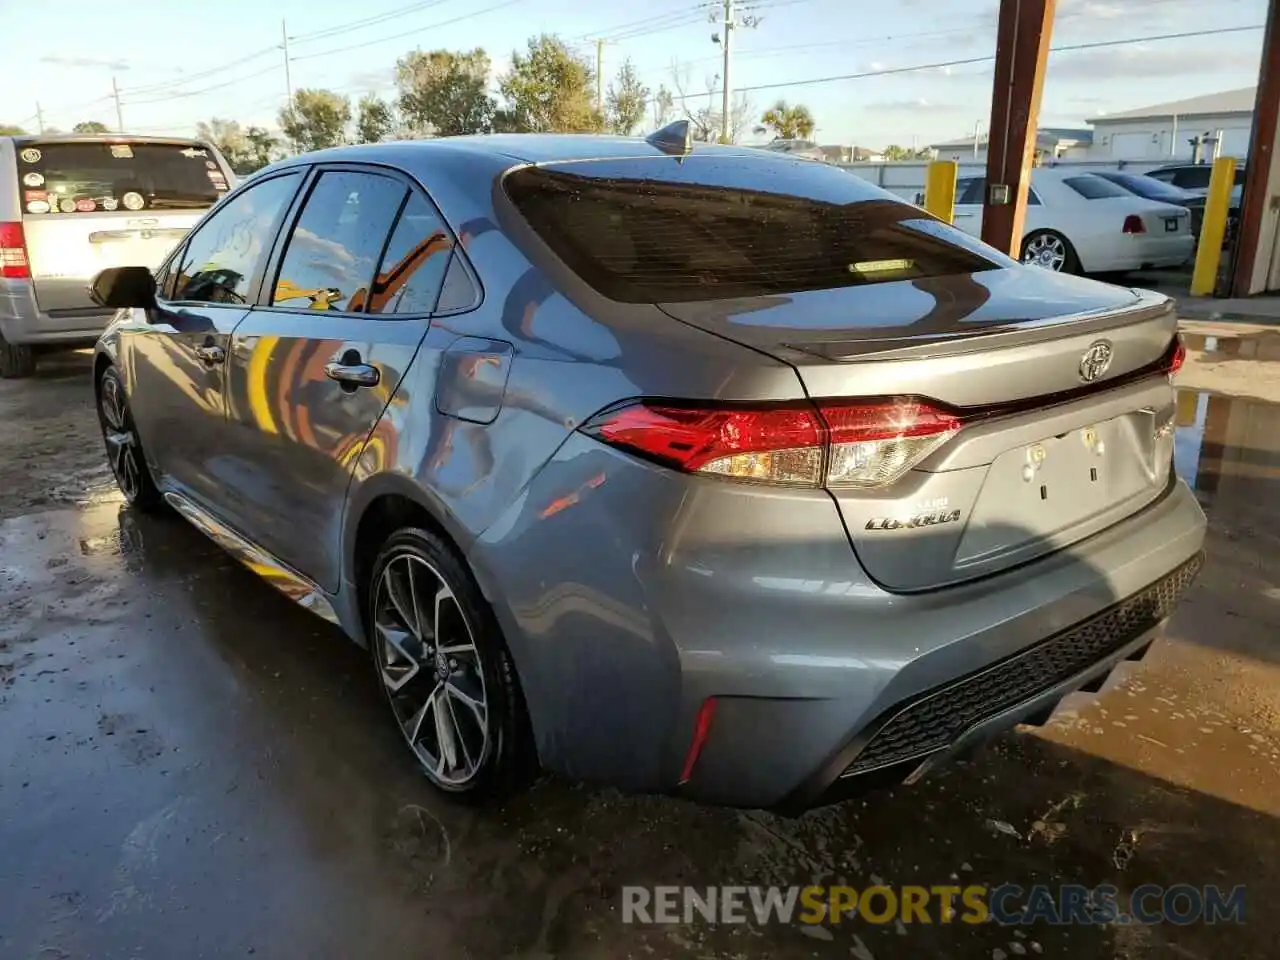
[408,33]
[987,58]
[203,74]
[360,24]
[195,93]
[612,31]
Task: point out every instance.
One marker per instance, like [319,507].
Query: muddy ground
[191,766]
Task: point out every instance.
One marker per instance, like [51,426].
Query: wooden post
[1262,177]
[1022,50]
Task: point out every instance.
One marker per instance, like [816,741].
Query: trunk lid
[95,202]
[1064,435]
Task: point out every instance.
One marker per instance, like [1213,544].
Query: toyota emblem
[1095,361]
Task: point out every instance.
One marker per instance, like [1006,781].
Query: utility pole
[600,75]
[39,117]
[284,45]
[727,93]
[115,92]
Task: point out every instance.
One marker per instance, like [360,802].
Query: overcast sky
[175,60]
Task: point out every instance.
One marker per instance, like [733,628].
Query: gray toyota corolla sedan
[697,470]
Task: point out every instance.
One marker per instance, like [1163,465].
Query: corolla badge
[1095,361]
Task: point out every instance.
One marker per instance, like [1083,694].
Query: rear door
[969,197]
[96,203]
[176,356]
[314,366]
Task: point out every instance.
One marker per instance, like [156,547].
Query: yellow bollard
[1214,227]
[940,190]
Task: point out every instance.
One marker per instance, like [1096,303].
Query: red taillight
[835,443]
[13,252]
[1178,356]
[1133,224]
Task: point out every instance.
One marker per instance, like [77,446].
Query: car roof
[518,147]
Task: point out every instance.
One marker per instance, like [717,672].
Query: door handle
[959,214]
[352,374]
[210,354]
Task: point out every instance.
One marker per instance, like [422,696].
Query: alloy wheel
[122,443]
[1047,251]
[431,670]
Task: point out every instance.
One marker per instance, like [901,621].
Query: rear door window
[335,244]
[100,176]
[654,230]
[972,190]
[229,248]
[408,281]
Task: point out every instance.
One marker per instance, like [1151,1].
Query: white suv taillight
[13,252]
[835,443]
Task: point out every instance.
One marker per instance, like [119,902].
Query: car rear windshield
[1095,188]
[94,176]
[1149,187]
[709,228]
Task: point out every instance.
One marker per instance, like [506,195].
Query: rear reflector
[13,252]
[1178,356]
[701,730]
[1133,224]
[866,443]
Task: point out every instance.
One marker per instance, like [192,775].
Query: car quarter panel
[627,642]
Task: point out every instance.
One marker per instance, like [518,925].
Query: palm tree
[789,122]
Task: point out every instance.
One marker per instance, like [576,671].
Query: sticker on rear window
[86,205]
[122,151]
[30,155]
[110,203]
[33,179]
[193,152]
[67,206]
[211,165]
[29,195]
[38,206]
[133,200]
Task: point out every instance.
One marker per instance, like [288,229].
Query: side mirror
[124,287]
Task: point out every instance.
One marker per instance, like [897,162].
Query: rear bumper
[1154,250]
[22,322]
[628,610]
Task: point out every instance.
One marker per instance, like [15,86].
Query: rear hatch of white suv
[88,203]
[970,413]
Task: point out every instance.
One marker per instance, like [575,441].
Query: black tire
[503,762]
[1070,262]
[120,437]
[16,360]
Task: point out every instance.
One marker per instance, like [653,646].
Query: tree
[706,120]
[663,105]
[9,130]
[549,89]
[895,152]
[230,140]
[789,122]
[625,103]
[374,121]
[315,119]
[445,92]
[260,148]
[90,126]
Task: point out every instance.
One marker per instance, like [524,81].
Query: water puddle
[1228,449]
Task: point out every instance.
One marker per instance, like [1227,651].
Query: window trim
[274,262]
[255,282]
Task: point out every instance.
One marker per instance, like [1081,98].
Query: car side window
[1194,178]
[225,251]
[459,290]
[167,275]
[415,262]
[974,190]
[331,253]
